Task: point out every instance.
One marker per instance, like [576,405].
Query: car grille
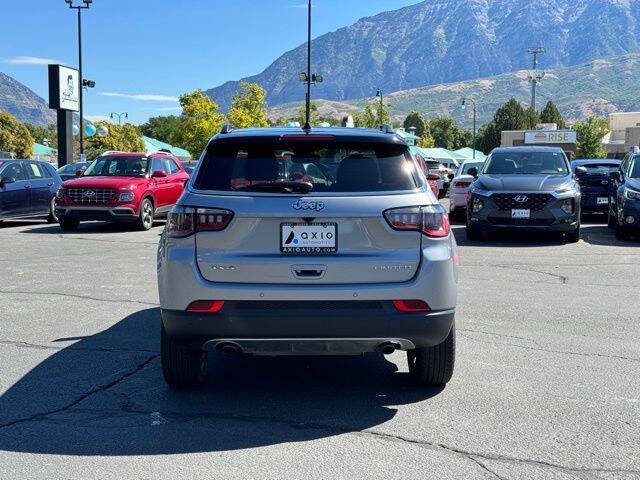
[90,196]
[532,201]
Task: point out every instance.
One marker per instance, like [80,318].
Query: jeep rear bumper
[307,327]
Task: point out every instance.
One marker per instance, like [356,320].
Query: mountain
[598,87]
[23,103]
[443,41]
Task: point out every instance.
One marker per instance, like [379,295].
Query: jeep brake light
[411,305]
[185,221]
[431,220]
[205,306]
[212,219]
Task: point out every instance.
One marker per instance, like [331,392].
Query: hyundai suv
[122,187]
[324,242]
[524,188]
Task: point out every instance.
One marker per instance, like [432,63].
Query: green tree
[161,128]
[383,115]
[426,142]
[15,136]
[302,114]
[416,120]
[366,119]
[551,114]
[248,108]
[447,134]
[511,116]
[123,138]
[590,134]
[199,121]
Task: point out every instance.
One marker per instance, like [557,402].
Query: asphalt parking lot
[547,380]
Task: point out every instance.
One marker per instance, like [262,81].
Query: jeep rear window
[338,167]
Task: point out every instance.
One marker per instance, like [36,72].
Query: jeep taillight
[431,220]
[185,221]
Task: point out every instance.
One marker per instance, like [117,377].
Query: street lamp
[464,105]
[379,94]
[119,115]
[79,8]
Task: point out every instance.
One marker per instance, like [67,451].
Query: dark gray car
[525,188]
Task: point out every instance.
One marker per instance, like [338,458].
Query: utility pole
[535,76]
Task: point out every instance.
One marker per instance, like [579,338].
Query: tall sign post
[64,97]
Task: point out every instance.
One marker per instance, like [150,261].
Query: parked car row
[536,188]
[122,187]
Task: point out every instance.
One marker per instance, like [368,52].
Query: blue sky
[144,53]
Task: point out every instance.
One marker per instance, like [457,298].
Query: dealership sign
[64,88]
[549,136]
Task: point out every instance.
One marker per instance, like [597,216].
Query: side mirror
[581,170]
[433,176]
[616,175]
[158,174]
[473,171]
[79,173]
[6,180]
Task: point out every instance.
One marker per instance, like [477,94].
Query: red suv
[122,187]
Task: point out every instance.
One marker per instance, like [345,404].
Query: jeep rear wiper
[278,186]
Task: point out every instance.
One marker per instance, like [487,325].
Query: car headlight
[477,205]
[631,194]
[126,197]
[60,194]
[567,205]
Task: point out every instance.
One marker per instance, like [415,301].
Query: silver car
[328,242]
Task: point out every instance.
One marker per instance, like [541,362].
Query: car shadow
[508,238]
[104,395]
[90,228]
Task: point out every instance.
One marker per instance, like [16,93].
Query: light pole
[79,8]
[464,105]
[379,94]
[307,77]
[119,115]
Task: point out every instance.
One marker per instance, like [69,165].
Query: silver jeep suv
[326,242]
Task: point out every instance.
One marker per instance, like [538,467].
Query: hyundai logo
[302,205]
[89,193]
[521,198]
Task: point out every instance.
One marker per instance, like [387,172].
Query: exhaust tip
[387,348]
[228,348]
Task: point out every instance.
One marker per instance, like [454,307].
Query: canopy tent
[435,153]
[467,154]
[153,145]
[43,150]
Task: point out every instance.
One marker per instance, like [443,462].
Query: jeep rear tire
[68,224]
[434,365]
[182,367]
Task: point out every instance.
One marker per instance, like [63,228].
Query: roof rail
[162,151]
[227,128]
[386,129]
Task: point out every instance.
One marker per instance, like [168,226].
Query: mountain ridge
[23,103]
[445,41]
[597,87]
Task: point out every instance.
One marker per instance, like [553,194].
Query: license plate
[520,213]
[308,238]
[603,200]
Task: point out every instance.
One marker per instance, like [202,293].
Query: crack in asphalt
[81,297]
[563,279]
[473,456]
[562,352]
[72,237]
[21,344]
[84,396]
[496,334]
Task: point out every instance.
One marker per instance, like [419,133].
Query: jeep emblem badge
[302,205]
